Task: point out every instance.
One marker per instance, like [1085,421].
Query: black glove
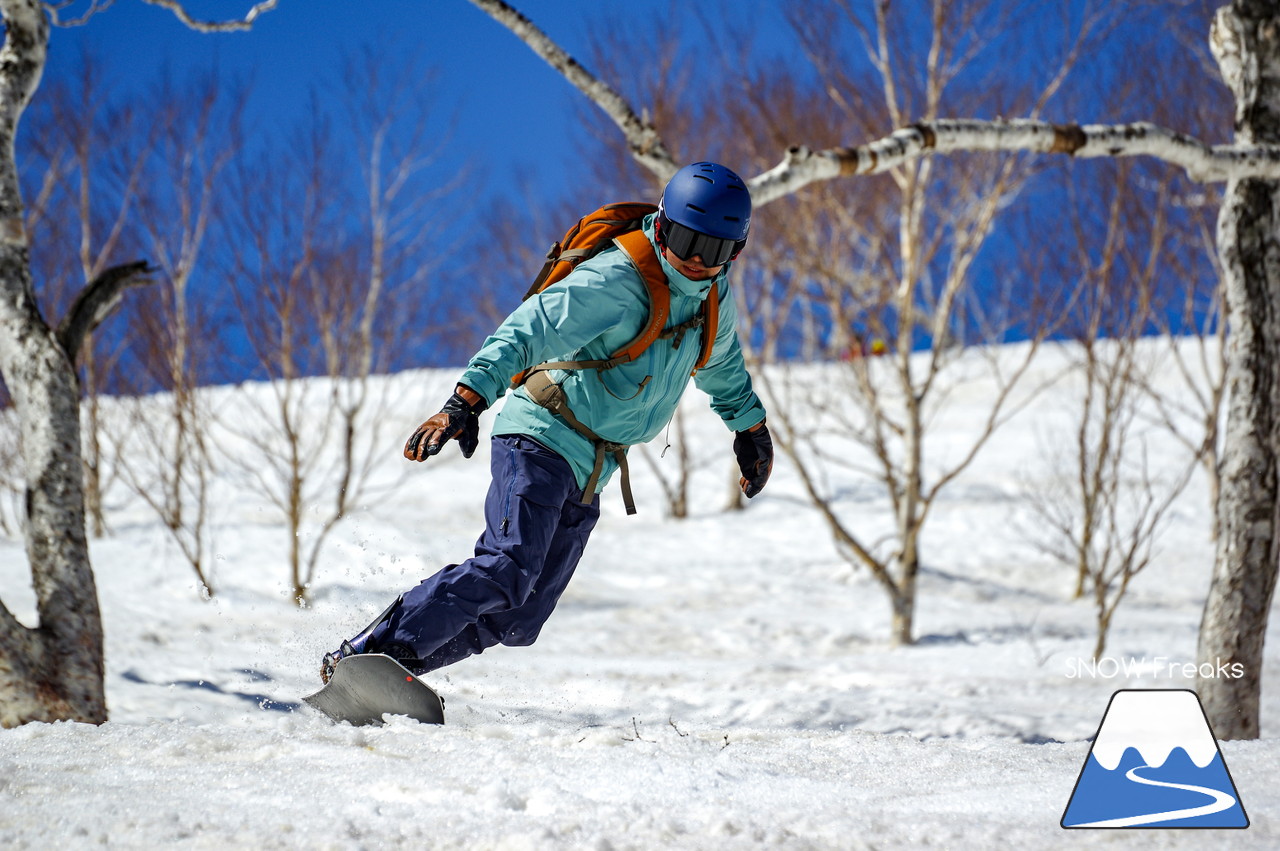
[459,418]
[754,449]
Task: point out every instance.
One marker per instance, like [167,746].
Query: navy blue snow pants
[536,529]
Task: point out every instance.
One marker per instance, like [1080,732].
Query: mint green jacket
[596,310]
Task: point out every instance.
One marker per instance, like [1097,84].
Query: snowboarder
[559,438]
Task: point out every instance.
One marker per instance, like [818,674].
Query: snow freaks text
[1157,667]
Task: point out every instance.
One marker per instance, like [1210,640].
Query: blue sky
[302,44]
[516,114]
[513,109]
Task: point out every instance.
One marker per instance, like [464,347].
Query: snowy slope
[722,682]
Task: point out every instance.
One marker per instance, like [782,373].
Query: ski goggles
[686,242]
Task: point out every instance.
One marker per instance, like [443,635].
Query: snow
[719,682]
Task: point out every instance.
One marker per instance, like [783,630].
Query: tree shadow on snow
[264,702]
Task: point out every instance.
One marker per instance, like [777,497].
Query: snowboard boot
[400,652]
[365,643]
[361,643]
[331,660]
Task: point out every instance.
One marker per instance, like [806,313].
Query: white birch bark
[1246,42]
[642,138]
[56,671]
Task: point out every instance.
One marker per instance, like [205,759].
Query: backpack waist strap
[547,394]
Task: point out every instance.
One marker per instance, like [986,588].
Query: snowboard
[363,688]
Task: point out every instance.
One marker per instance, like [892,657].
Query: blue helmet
[705,210]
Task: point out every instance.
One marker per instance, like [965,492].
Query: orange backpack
[620,225]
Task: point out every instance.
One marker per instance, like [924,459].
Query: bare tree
[321,297]
[282,217]
[1102,510]
[166,460]
[55,670]
[364,329]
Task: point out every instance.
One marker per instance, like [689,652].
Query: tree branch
[802,166]
[1203,163]
[642,138]
[96,302]
[245,23]
[95,7]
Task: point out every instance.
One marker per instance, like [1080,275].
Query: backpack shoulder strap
[710,325]
[640,252]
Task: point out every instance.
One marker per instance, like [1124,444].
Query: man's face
[693,268]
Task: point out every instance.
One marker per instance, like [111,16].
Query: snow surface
[719,682]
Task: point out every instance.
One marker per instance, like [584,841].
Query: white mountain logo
[1155,763]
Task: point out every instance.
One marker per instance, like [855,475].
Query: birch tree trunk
[55,671]
[1246,42]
